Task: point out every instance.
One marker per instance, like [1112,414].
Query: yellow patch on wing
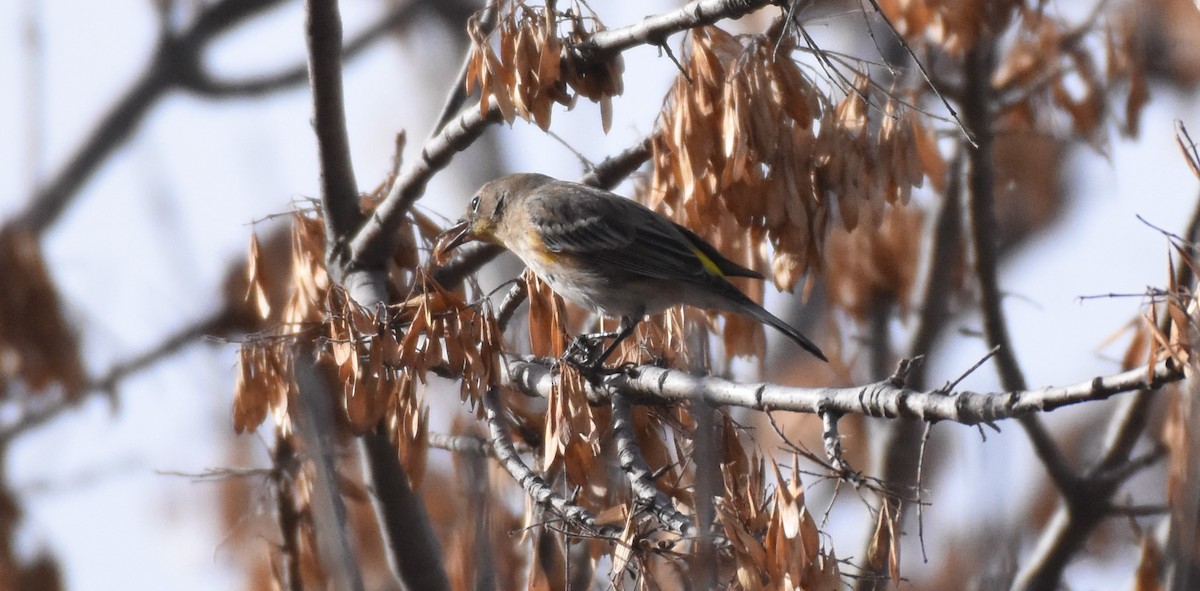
[708,263]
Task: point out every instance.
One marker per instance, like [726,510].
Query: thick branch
[412,545]
[313,415]
[339,191]
[654,385]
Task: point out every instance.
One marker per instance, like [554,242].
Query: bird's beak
[450,239]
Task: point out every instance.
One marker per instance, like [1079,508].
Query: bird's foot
[584,351]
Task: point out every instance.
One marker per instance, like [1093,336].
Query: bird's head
[487,210]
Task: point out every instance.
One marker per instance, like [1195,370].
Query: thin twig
[458,90]
[925,74]
[921,491]
[313,417]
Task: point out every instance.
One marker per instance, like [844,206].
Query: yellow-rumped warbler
[606,252]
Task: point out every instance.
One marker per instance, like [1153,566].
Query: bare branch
[614,169]
[461,444]
[512,300]
[648,384]
[978,98]
[653,30]
[371,246]
[535,487]
[458,90]
[414,551]
[174,59]
[633,464]
[833,443]
[413,548]
[339,191]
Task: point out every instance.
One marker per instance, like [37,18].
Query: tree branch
[371,246]
[413,547]
[339,191]
[977,104]
[647,384]
[313,414]
[203,83]
[458,91]
[535,487]
[1071,524]
[176,56]
[414,551]
[653,30]
[646,494]
[289,517]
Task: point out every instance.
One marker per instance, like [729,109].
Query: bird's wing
[622,234]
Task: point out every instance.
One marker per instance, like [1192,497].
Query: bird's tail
[760,313]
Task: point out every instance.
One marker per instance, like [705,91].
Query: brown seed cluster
[875,267]
[536,68]
[746,134]
[373,361]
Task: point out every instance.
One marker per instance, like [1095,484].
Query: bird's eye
[475,203]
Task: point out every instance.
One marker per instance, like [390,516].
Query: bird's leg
[582,351]
[583,348]
[628,323]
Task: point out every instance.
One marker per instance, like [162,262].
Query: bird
[605,252]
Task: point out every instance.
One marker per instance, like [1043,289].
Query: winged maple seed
[749,148]
[373,360]
[869,268]
[535,67]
